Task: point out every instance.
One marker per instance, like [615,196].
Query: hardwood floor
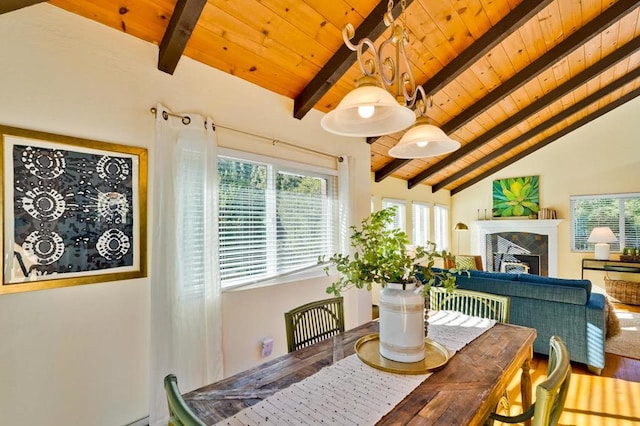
[606,400]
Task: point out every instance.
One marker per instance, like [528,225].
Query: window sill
[313,273]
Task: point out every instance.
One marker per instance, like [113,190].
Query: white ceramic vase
[401,323]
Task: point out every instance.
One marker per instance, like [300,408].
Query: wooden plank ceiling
[507,76]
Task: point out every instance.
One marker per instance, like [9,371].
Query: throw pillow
[466,262]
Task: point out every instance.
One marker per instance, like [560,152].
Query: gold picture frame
[73,211]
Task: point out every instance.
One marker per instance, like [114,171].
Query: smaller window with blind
[421,213]
[273,219]
[619,212]
[399,220]
[441,227]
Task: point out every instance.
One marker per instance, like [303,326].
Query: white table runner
[350,392]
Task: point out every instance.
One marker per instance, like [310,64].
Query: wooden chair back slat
[314,322]
[469,302]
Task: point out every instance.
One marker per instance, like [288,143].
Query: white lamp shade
[388,116]
[602,235]
[423,140]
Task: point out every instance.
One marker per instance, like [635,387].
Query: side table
[624,291]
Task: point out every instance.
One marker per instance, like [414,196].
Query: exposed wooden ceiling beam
[390,168]
[496,34]
[183,20]
[536,106]
[372,27]
[11,5]
[613,105]
[562,49]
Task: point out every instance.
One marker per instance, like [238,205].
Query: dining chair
[470,302]
[473,303]
[550,394]
[179,412]
[313,322]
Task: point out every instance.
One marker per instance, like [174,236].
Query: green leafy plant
[382,255]
[516,196]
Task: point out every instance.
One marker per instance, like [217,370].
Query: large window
[441,227]
[399,221]
[273,219]
[420,213]
[620,212]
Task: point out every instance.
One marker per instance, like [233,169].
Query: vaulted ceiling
[507,77]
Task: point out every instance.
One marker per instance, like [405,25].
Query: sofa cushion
[550,292]
[486,285]
[510,285]
[494,275]
[473,273]
[584,284]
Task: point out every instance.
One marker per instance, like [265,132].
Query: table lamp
[602,236]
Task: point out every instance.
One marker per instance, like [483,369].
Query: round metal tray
[368,350]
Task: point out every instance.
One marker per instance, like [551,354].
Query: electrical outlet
[267,347]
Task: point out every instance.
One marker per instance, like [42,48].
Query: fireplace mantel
[481,228]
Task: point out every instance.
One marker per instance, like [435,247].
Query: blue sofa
[553,306]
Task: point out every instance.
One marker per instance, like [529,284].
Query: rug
[627,342]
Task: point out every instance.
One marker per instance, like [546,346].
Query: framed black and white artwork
[73,210]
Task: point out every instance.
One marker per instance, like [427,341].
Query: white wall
[600,157]
[80,354]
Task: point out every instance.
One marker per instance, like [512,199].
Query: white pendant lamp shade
[368,110]
[423,140]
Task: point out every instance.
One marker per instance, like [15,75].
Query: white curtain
[186,317]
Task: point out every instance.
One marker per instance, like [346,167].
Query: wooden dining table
[463,392]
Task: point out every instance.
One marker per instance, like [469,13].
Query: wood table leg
[525,387]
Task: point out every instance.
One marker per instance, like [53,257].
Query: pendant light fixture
[381,102]
[383,99]
[423,140]
[368,110]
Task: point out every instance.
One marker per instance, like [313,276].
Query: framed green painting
[516,197]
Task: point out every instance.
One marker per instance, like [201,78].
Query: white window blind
[272,219]
[620,212]
[421,222]
[399,221]
[441,227]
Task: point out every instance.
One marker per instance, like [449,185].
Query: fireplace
[519,246]
[518,252]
